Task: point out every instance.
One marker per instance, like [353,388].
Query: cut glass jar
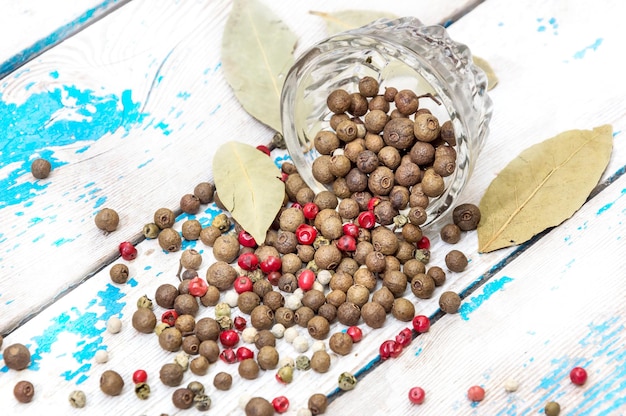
[401,53]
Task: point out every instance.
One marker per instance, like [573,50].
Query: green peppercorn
[346,381]
[151,231]
[144,302]
[285,374]
[78,399]
[221,222]
[142,390]
[303,363]
[552,409]
[202,402]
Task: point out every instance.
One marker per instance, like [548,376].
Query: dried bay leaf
[492,79]
[248,184]
[542,187]
[343,20]
[257,53]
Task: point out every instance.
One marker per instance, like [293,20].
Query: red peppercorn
[310,210]
[578,375]
[248,261]
[351,229]
[306,234]
[306,278]
[367,219]
[281,404]
[424,243]
[246,239]
[228,355]
[274,277]
[417,395]
[198,286]
[243,284]
[169,317]
[240,323]
[140,376]
[476,393]
[405,337]
[389,349]
[421,324]
[355,333]
[271,264]
[346,243]
[284,176]
[229,338]
[371,204]
[128,251]
[296,205]
[244,353]
[264,149]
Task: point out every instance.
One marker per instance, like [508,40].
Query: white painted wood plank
[129,112]
[29,27]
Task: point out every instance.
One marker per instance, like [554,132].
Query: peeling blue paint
[491,287]
[593,47]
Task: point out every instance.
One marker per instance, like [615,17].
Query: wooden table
[128,101]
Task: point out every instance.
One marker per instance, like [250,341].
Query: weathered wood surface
[546,54]
[29,27]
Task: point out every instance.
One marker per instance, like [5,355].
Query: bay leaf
[257,53]
[248,184]
[542,187]
[492,79]
[343,20]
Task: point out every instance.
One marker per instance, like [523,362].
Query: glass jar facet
[401,53]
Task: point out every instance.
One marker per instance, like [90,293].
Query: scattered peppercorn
[78,399]
[40,168]
[111,383]
[16,356]
[107,219]
[24,391]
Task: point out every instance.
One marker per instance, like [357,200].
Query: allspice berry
[348,314]
[24,391]
[320,361]
[225,248]
[111,383]
[456,261]
[318,403]
[437,274]
[165,295]
[422,286]
[16,356]
[267,357]
[170,339]
[373,314]
[398,133]
[40,168]
[119,273]
[204,192]
[262,317]
[170,240]
[450,233]
[144,320]
[183,398]
[340,343]
[191,230]
[190,204]
[171,374]
[432,183]
[248,369]
[258,406]
[339,101]
[221,275]
[318,327]
[222,381]
[466,216]
[426,127]
[164,218]
[403,309]
[107,219]
[449,302]
[406,102]
[368,86]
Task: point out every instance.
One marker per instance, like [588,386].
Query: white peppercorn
[511,385]
[304,412]
[293,302]
[78,399]
[244,398]
[101,356]
[318,345]
[318,286]
[324,276]
[286,361]
[278,330]
[291,334]
[249,334]
[300,343]
[114,325]
[182,359]
[230,298]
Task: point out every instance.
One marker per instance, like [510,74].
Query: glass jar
[401,53]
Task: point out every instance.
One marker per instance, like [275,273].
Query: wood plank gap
[66,31]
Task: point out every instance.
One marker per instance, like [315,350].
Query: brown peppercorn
[392,263]
[353,148]
[318,403]
[395,281]
[358,106]
[340,343]
[119,273]
[358,294]
[186,304]
[111,383]
[107,219]
[422,153]
[326,142]
[293,184]
[336,297]
[449,302]
[170,339]
[305,195]
[403,310]
[313,299]
[204,192]
[417,216]
[363,248]
[348,314]
[390,93]
[165,295]
[408,174]
[262,317]
[144,320]
[432,183]
[348,208]
[374,142]
[446,132]
[373,314]
[384,297]
[399,197]
[339,165]
[381,181]
[398,133]
[183,398]
[422,286]
[375,121]
[263,338]
[248,369]
[437,274]
[24,391]
[191,344]
[267,357]
[171,374]
[199,365]
[287,282]
[326,200]
[450,233]
[328,311]
[274,299]
[190,204]
[444,166]
[456,261]
[191,259]
[347,265]
[368,86]
[248,301]
[375,261]
[303,315]
[384,212]
[286,242]
[466,216]
[356,181]
[426,128]
[209,349]
[226,248]
[339,101]
[327,257]
[320,361]
[411,233]
[291,218]
[284,316]
[40,168]
[221,275]
[164,218]
[258,406]
[209,234]
[389,156]
[16,356]
[191,230]
[379,103]
[170,240]
[413,267]
[384,240]
[211,297]
[318,327]
[207,328]
[222,381]
[346,131]
[406,102]
[341,281]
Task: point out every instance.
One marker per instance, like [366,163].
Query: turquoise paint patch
[83,324]
[132,282]
[593,47]
[491,287]
[145,163]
